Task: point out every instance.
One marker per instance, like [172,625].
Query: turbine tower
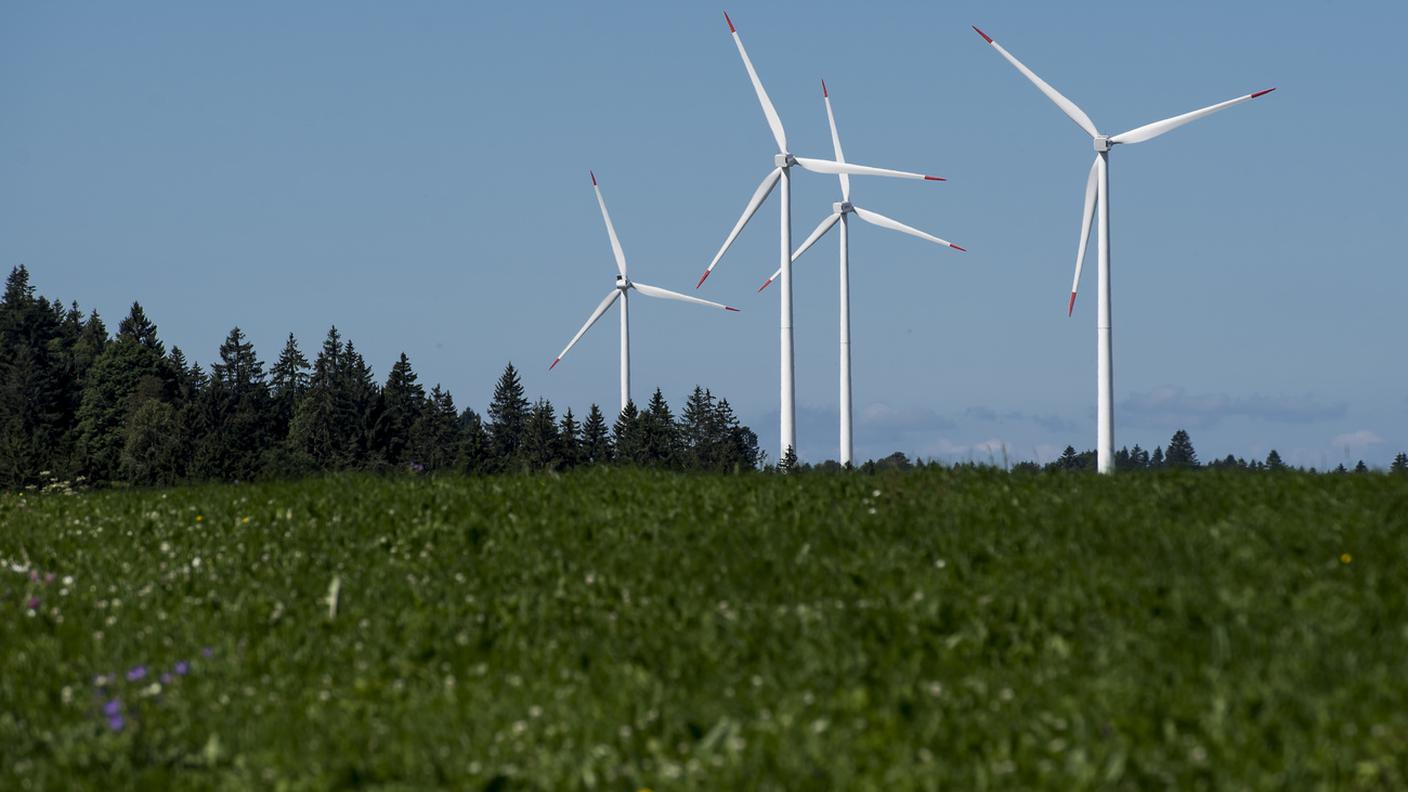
[621,291]
[782,173]
[840,213]
[1097,193]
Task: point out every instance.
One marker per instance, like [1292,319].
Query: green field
[612,629]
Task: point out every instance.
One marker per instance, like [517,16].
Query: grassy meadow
[613,629]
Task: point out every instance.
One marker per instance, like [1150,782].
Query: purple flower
[113,707]
[48,578]
[116,722]
[166,677]
[34,575]
[182,668]
[33,603]
[207,652]
[140,672]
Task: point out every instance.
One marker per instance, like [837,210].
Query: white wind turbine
[621,291]
[782,172]
[1097,192]
[840,212]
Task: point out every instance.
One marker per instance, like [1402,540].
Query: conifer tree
[508,419]
[1273,461]
[314,432]
[1400,464]
[1156,462]
[596,438]
[38,400]
[436,442]
[1180,452]
[476,452]
[659,435]
[362,398]
[626,437]
[132,369]
[233,415]
[288,381]
[741,443]
[1361,467]
[569,441]
[540,441]
[402,402]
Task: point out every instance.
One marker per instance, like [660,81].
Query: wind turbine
[621,291]
[1097,192]
[841,212]
[782,172]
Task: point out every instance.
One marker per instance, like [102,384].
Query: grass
[961,629]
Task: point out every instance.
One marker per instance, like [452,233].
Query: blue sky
[417,174]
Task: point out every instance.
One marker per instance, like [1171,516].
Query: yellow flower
[245,520]
[1345,558]
[200,518]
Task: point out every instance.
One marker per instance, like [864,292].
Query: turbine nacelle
[784,160]
[843,207]
[1103,143]
[622,282]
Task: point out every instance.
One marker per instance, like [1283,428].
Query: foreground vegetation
[957,629]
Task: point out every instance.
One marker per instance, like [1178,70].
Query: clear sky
[417,174]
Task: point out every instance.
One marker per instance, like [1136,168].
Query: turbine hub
[843,207]
[784,160]
[623,283]
[1102,143]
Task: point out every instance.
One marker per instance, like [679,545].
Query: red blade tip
[766,284]
[703,278]
[934,178]
[985,36]
[730,308]
[1262,93]
[956,247]
[593,178]
[554,363]
[730,23]
[1071,306]
[824,94]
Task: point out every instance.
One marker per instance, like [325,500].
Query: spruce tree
[476,450]
[569,440]
[701,439]
[626,437]
[540,441]
[741,450]
[508,419]
[38,393]
[315,437]
[132,369]
[1400,465]
[436,442]
[659,434]
[288,381]
[1156,462]
[1273,461]
[363,405]
[233,417]
[596,438]
[1180,452]
[402,403]
[1361,467]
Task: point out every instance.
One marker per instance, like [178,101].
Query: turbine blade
[1151,131]
[1067,106]
[820,231]
[830,166]
[836,143]
[591,320]
[874,218]
[666,294]
[610,229]
[759,195]
[1087,214]
[774,123]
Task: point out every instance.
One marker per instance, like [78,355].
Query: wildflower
[200,518]
[207,652]
[116,722]
[245,520]
[1346,558]
[113,708]
[48,578]
[875,493]
[33,603]
[166,678]
[138,672]
[182,667]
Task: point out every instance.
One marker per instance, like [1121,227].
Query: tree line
[77,404]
